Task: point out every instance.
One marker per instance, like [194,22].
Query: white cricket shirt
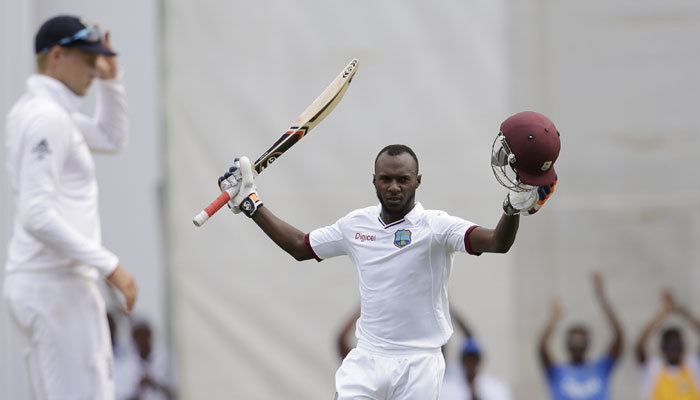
[403,268]
[52,174]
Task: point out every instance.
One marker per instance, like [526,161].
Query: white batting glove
[231,181]
[247,200]
[528,203]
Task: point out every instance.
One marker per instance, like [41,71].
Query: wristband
[250,205]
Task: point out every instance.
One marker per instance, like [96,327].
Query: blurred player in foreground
[55,255]
[404,254]
[581,378]
[676,375]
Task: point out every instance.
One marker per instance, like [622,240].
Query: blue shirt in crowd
[581,382]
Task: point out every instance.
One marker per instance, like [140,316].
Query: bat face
[350,69]
[312,116]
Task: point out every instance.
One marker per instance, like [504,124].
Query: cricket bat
[312,116]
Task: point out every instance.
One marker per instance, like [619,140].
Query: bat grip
[212,208]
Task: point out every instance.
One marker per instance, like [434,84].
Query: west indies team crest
[402,238]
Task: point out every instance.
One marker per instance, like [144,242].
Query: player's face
[76,69]
[673,349]
[396,180]
[577,345]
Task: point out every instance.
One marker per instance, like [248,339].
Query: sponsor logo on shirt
[402,238]
[41,149]
[362,237]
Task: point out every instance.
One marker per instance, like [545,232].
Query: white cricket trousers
[367,374]
[69,352]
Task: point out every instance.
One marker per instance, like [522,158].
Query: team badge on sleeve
[402,237]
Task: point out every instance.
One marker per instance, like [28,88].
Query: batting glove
[528,203]
[247,200]
[232,180]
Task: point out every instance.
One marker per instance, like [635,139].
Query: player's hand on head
[528,202]
[106,66]
[247,200]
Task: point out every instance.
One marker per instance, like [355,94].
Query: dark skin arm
[499,240]
[555,317]
[146,381]
[685,313]
[667,305]
[287,237]
[461,324]
[617,344]
[343,342]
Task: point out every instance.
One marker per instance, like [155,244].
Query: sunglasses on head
[90,34]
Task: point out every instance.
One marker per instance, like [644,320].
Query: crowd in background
[674,374]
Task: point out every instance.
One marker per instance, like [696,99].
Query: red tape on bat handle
[212,208]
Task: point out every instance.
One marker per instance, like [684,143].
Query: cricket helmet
[524,151]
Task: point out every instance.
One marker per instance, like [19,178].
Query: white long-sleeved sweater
[52,172]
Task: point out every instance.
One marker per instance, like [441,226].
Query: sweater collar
[58,91]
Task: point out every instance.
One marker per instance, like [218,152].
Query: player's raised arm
[692,319]
[461,323]
[543,348]
[667,305]
[288,238]
[498,240]
[617,344]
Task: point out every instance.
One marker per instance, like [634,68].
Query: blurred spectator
[143,372]
[675,375]
[580,379]
[464,380]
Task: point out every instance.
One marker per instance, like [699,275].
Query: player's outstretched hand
[529,202]
[106,66]
[247,200]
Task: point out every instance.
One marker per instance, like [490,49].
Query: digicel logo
[363,237]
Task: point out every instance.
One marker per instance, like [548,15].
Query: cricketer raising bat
[312,116]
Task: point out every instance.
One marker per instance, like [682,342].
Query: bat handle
[212,208]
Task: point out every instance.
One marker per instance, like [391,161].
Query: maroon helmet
[529,144]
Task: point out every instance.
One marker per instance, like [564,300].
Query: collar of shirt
[56,90]
[413,216]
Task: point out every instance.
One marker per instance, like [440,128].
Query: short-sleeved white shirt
[403,269]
